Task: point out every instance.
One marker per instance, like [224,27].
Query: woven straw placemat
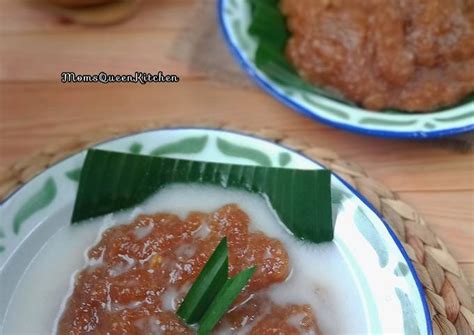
[446,288]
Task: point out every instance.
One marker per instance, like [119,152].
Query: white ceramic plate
[393,299]
[234,19]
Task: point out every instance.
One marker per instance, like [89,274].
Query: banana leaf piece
[113,181]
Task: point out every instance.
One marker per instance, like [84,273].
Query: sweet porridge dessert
[412,55]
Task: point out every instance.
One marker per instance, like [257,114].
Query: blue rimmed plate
[234,19]
[392,297]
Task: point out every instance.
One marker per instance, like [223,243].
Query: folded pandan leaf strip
[207,285]
[211,295]
[224,299]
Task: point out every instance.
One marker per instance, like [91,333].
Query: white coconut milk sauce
[319,274]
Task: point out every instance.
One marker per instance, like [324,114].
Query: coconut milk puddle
[319,275]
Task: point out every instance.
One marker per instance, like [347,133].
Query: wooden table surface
[37,110]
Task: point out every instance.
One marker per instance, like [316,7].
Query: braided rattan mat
[446,288]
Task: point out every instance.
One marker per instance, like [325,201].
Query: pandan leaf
[213,292]
[209,282]
[224,300]
[112,181]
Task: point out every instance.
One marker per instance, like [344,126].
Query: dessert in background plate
[407,55]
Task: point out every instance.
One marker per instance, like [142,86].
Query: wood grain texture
[37,110]
[23,16]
